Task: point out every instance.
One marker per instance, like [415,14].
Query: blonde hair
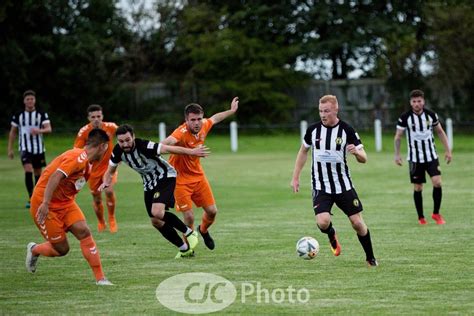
[329,98]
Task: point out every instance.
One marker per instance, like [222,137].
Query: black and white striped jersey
[419,130]
[145,159]
[329,170]
[25,121]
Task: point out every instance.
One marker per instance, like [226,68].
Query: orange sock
[45,249]
[110,205]
[99,211]
[91,253]
[206,221]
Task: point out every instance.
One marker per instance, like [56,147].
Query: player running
[159,179]
[95,116]
[54,209]
[191,183]
[331,139]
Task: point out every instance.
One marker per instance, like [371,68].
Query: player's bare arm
[397,142]
[219,117]
[448,156]
[53,183]
[107,178]
[11,140]
[45,130]
[359,153]
[200,151]
[299,164]
[170,140]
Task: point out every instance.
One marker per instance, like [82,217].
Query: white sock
[184,247]
[188,231]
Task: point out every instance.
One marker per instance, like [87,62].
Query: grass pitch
[423,270]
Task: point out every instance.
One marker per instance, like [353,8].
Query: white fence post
[303,128]
[449,132]
[378,135]
[162,131]
[234,142]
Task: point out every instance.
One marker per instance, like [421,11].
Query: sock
[37,179]
[110,200]
[331,232]
[206,221]
[172,236]
[173,221]
[45,249]
[99,210]
[91,254]
[184,247]
[437,195]
[29,183]
[418,197]
[367,245]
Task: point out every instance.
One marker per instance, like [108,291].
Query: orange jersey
[189,167]
[98,168]
[74,164]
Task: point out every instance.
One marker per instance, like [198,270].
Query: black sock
[171,235]
[331,232]
[37,179]
[29,183]
[437,195]
[174,221]
[367,245]
[418,197]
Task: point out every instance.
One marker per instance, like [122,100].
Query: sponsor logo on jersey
[82,157]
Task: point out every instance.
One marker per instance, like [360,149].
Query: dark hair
[417,94]
[124,129]
[193,108]
[96,137]
[93,108]
[29,92]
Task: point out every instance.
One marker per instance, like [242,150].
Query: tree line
[77,52]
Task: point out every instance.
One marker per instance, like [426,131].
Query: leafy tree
[69,52]
[452,44]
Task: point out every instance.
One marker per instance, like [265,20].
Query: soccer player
[95,116]
[419,123]
[30,125]
[159,179]
[54,209]
[331,139]
[191,183]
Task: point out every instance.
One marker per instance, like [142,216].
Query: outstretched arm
[299,164]
[200,151]
[219,117]
[444,139]
[170,140]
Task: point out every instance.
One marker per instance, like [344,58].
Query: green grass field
[423,270]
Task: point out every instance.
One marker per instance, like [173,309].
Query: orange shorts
[95,182]
[198,192]
[58,220]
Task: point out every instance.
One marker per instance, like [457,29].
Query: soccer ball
[307,248]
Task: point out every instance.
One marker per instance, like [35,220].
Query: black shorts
[162,193]
[347,201]
[37,160]
[418,169]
